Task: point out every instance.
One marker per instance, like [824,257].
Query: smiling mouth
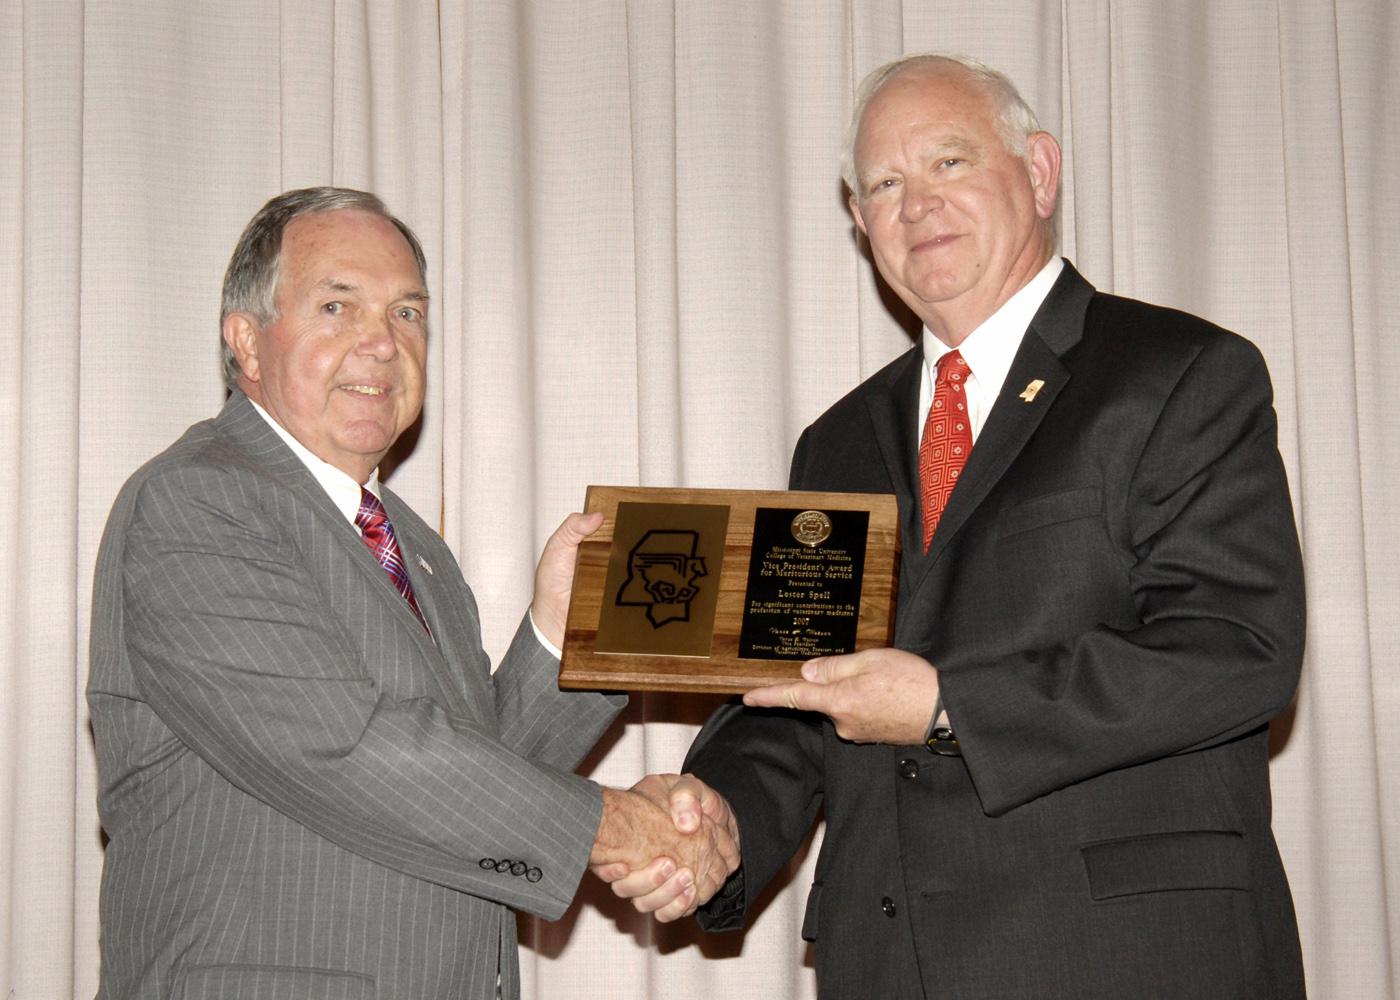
[365,390]
[934,242]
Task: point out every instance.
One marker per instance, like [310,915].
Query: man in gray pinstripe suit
[310,791]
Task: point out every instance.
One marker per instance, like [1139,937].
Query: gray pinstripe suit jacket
[305,796]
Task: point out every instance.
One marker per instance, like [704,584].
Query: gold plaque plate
[726,590]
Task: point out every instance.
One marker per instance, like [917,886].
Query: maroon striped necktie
[378,534]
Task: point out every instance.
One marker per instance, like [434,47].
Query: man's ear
[854,204]
[241,334]
[1043,165]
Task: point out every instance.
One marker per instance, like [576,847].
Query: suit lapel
[894,412]
[444,606]
[1008,428]
[243,427]
[1056,327]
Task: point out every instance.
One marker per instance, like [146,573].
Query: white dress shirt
[339,486]
[988,350]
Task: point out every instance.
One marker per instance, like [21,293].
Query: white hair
[1015,120]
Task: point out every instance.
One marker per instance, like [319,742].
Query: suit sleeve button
[887,905]
[488,863]
[502,866]
[534,875]
[908,768]
[519,868]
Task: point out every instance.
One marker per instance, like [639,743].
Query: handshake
[671,842]
[668,844]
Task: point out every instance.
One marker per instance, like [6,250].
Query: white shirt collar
[339,486]
[990,349]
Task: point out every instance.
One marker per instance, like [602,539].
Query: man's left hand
[554,576]
[874,696]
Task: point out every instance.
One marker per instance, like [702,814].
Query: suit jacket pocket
[1190,859]
[1051,508]
[270,982]
[809,920]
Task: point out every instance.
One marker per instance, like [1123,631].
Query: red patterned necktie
[946,442]
[378,536]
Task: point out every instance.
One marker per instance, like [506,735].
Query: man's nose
[919,200]
[377,339]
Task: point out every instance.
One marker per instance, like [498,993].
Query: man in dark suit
[312,783]
[1056,784]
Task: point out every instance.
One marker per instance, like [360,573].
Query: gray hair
[250,283]
[1015,120]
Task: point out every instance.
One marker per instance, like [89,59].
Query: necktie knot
[371,513]
[952,368]
[378,535]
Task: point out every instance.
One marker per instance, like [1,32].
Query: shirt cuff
[554,650]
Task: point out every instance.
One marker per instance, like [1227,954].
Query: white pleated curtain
[644,272]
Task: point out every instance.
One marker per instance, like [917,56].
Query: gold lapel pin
[1032,387]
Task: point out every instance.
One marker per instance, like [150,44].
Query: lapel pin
[424,563]
[1032,387]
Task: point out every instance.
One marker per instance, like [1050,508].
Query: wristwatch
[941,739]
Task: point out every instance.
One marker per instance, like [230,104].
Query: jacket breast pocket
[1163,862]
[270,982]
[1058,570]
[1051,508]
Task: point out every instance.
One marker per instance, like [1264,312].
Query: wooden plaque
[726,590]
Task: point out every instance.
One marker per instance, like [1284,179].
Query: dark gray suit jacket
[305,795]
[1114,600]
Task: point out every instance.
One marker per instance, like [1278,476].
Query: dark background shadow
[400,450]
[1281,729]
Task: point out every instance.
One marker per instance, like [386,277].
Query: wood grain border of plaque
[725,590]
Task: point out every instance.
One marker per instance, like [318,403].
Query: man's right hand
[668,883]
[554,576]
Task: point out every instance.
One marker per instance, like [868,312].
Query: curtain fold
[644,271]
[45,799]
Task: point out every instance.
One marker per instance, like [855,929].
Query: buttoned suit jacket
[304,794]
[1113,599]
